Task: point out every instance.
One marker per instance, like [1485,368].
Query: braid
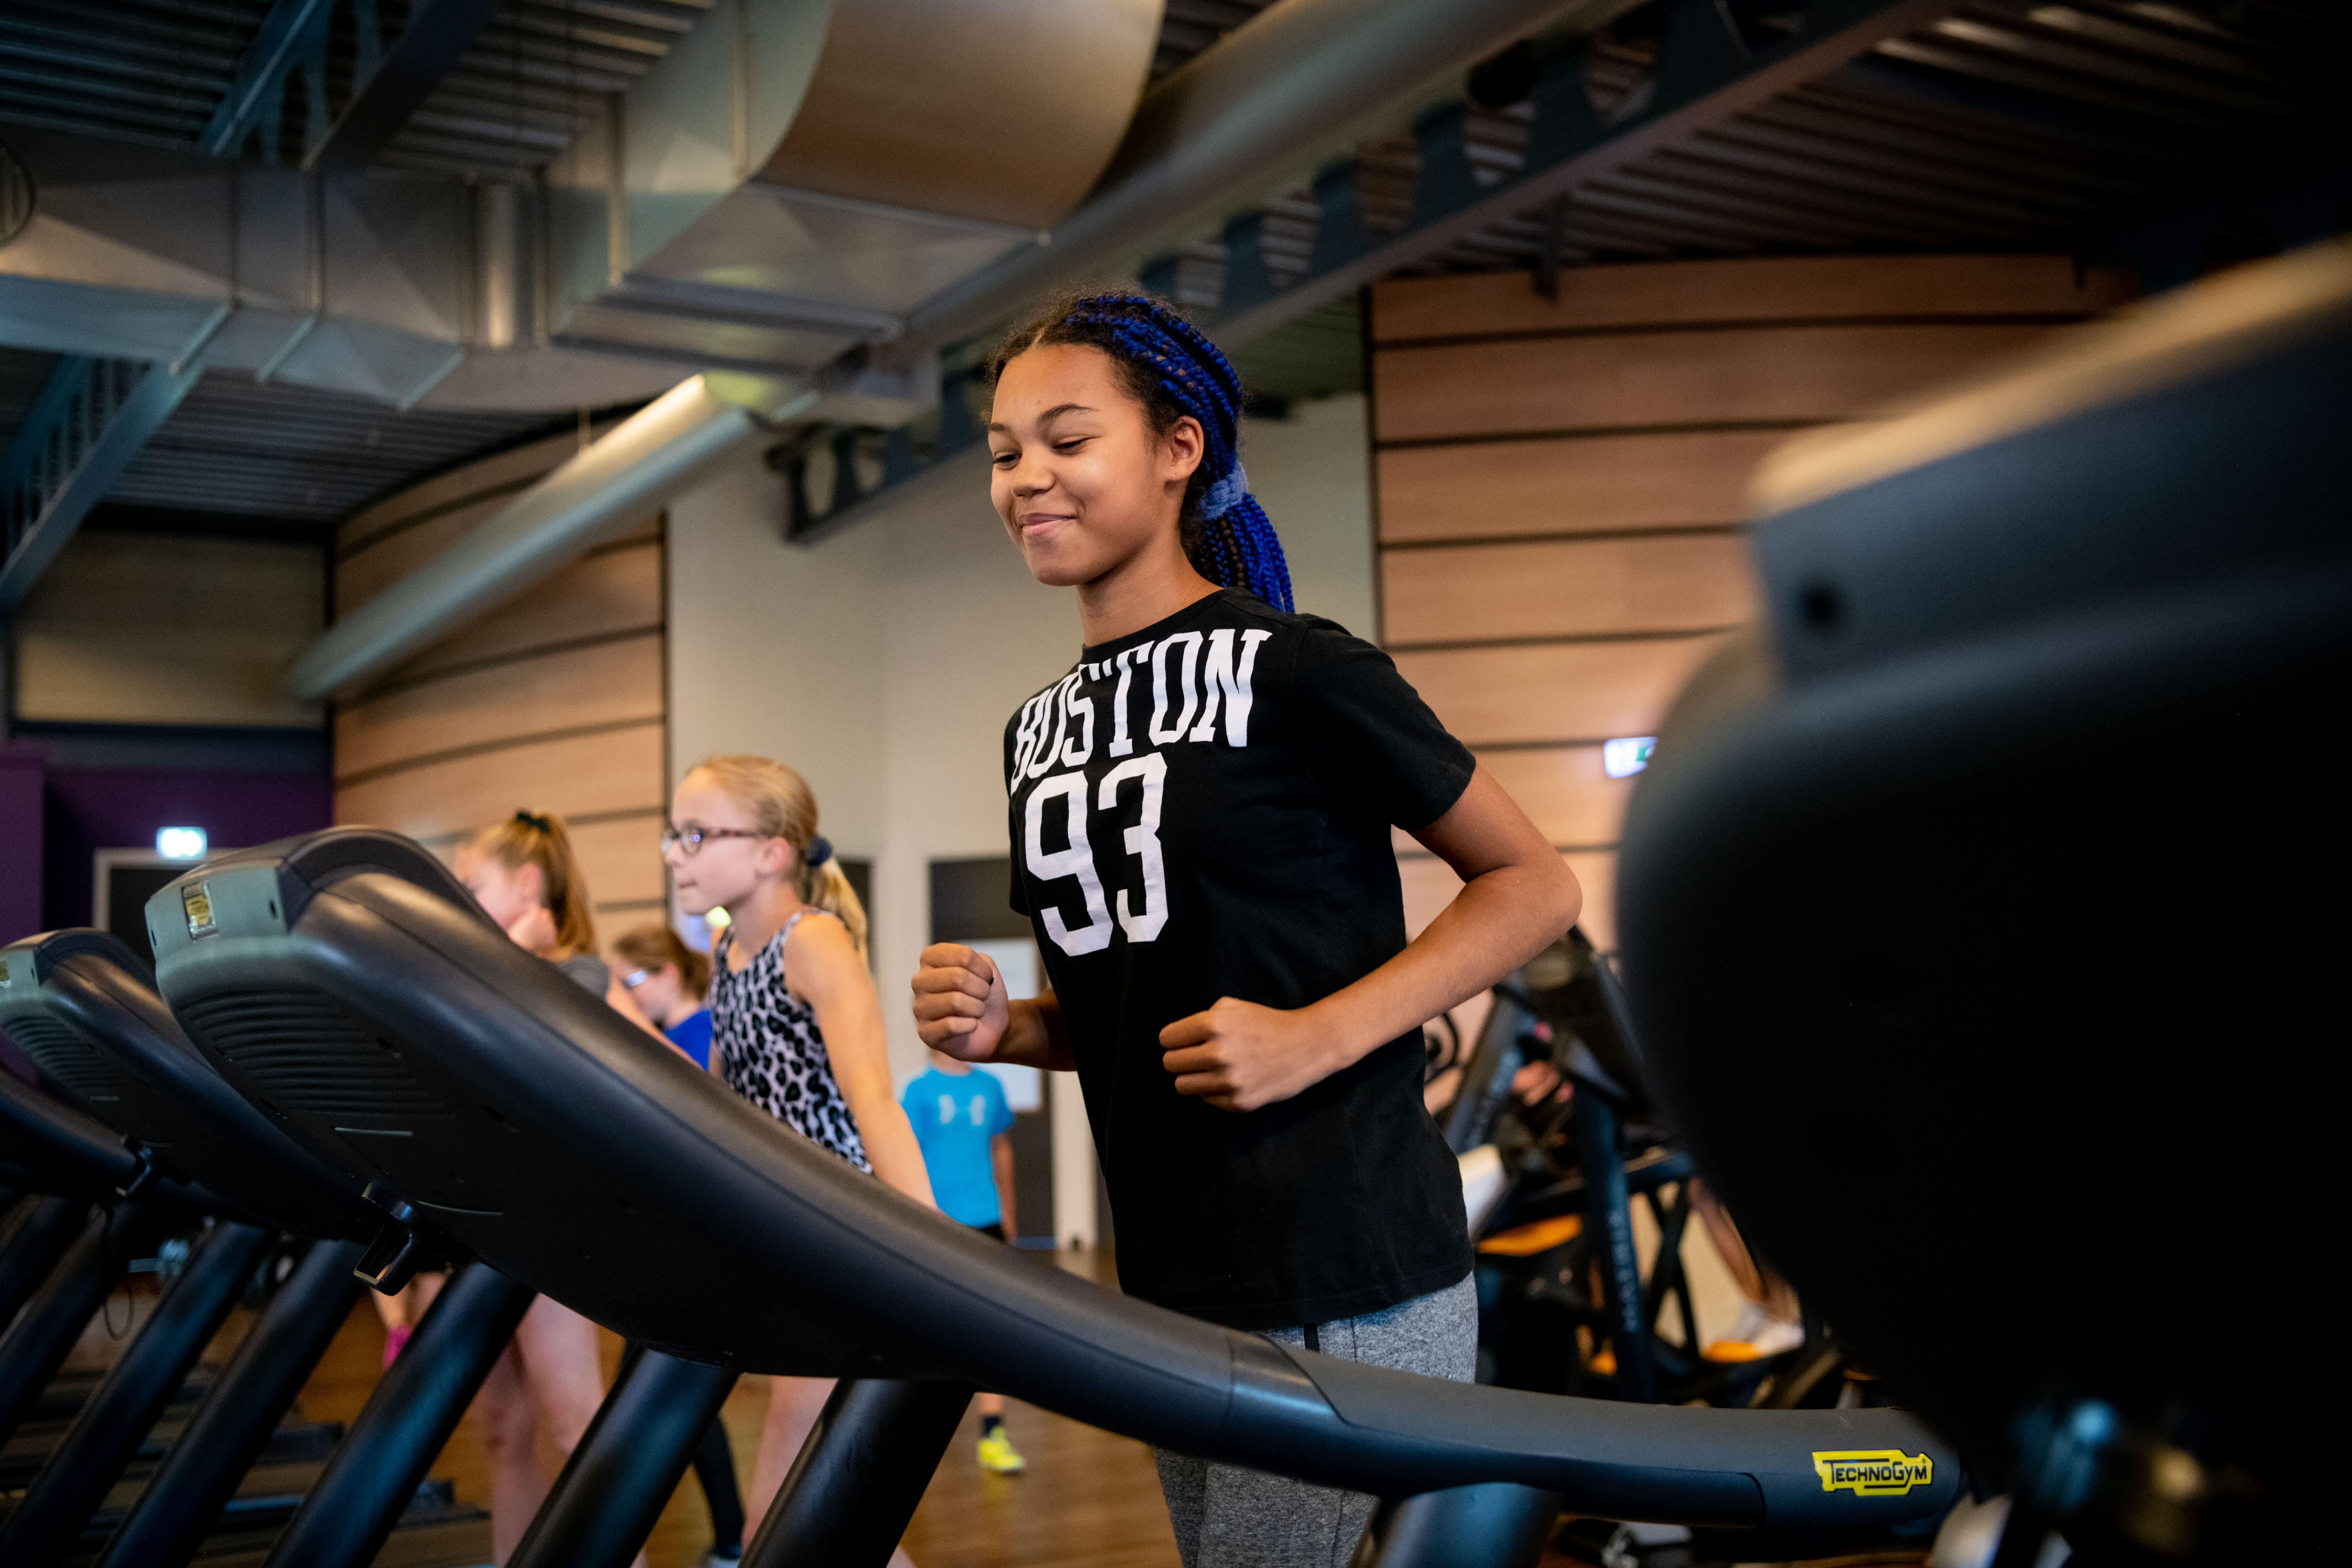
[1174,370]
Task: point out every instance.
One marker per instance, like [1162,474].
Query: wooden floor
[1087,1498]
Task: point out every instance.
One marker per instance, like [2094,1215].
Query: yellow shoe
[997,1454]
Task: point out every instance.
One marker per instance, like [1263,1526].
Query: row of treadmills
[1991,630]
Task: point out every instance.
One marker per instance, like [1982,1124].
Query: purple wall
[88,809]
[20,841]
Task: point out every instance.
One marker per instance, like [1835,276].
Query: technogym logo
[1873,1472]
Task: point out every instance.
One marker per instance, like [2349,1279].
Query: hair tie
[819,851]
[533,820]
[1226,493]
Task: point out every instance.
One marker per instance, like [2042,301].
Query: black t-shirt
[1201,810]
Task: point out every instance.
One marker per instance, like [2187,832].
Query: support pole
[98,1445]
[373,1474]
[856,1484]
[44,1228]
[1499,1525]
[51,1321]
[1609,1221]
[229,1429]
[627,1464]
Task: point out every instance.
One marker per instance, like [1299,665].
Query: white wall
[884,664]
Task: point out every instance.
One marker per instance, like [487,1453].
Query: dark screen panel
[128,889]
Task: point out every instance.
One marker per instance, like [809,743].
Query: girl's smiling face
[1082,482]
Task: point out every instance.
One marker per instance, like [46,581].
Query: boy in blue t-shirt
[961,1120]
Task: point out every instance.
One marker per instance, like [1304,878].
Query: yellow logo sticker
[1873,1472]
[197,898]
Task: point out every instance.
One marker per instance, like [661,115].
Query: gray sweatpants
[1228,1516]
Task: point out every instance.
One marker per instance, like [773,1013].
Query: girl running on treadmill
[1200,818]
[522,872]
[795,1027]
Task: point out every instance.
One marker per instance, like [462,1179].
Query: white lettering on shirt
[1076,751]
[1075,859]
[1160,736]
[1144,843]
[1218,672]
[1031,732]
[1120,746]
[1057,699]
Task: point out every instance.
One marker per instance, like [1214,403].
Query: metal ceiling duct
[780,187]
[1249,114]
[680,438]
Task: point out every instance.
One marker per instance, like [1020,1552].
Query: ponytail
[540,839]
[782,806]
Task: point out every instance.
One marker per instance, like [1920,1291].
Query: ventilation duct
[792,179]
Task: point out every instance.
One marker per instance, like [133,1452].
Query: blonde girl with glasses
[795,1026]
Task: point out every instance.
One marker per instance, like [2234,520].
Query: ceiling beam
[437,35]
[1708,74]
[87,424]
[256,92]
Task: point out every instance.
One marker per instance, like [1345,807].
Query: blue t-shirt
[955,1115]
[692,1036]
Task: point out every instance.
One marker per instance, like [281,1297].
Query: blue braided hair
[1173,371]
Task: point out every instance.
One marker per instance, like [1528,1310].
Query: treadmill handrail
[511,1062]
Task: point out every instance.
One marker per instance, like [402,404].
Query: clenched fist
[961,1006]
[1238,1056]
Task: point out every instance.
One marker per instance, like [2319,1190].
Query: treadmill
[352,991]
[2026,774]
[82,1005]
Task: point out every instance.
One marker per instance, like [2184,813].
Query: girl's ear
[775,858]
[1183,448]
[531,884]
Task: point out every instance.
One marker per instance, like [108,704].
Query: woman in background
[796,1028]
[667,980]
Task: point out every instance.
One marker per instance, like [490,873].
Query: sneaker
[1756,1335]
[997,1455]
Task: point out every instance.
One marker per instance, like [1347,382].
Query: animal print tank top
[771,1052]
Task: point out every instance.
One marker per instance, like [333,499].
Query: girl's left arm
[828,972]
[1518,895]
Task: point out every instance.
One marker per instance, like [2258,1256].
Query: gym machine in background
[1978,904]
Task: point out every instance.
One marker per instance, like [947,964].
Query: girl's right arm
[962,1008]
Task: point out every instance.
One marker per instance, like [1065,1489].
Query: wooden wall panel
[1430,885]
[582,775]
[616,589]
[621,857]
[1584,484]
[1636,407]
[555,700]
[1628,380]
[1564,790]
[526,695]
[1783,289]
[137,628]
[1558,692]
[1566,588]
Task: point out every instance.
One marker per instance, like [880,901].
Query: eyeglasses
[635,978]
[691,840]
